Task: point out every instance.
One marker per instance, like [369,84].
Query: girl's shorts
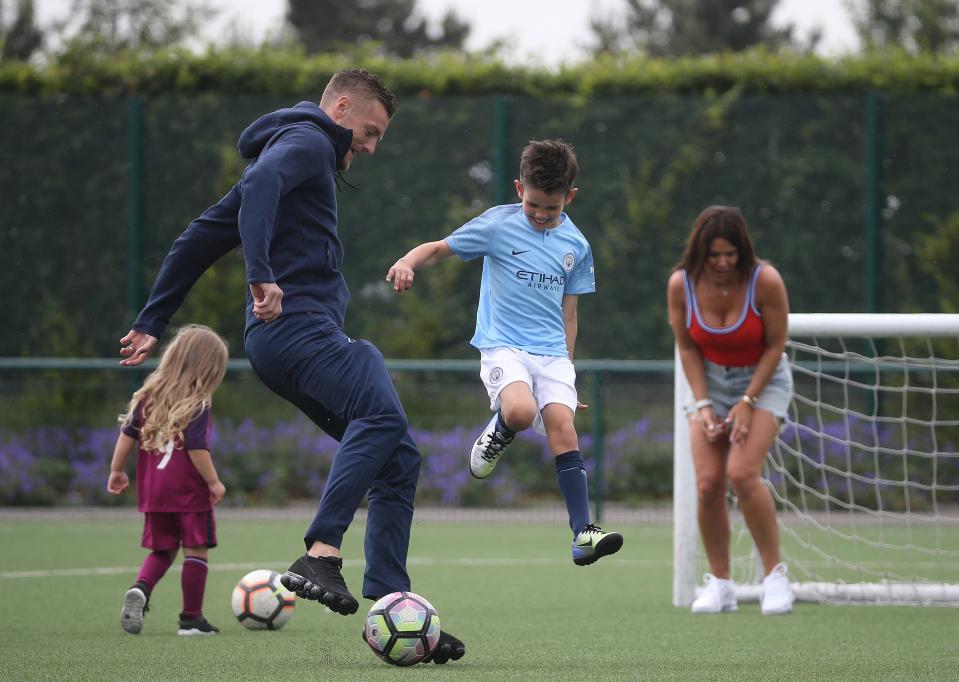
[167,531]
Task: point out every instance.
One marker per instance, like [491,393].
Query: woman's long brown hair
[725,222]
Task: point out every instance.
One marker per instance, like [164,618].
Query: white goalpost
[864,472]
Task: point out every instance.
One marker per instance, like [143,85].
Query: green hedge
[275,72]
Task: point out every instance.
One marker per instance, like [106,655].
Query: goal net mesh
[865,472]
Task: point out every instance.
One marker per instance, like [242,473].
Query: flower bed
[290,461]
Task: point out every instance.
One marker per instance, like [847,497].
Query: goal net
[864,472]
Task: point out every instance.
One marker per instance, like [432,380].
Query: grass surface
[509,590]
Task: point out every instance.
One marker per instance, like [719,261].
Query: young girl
[177,484]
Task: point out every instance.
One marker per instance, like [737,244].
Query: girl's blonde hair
[191,368]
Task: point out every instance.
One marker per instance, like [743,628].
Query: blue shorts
[726,386]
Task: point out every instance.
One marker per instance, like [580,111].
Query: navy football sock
[502,426]
[574,485]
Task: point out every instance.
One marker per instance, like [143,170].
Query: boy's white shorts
[551,378]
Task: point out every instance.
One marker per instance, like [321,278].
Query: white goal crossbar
[864,473]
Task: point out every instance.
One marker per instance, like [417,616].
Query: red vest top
[739,345]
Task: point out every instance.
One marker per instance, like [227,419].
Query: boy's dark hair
[548,165]
[362,82]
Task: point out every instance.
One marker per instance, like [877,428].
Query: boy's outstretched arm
[426,254]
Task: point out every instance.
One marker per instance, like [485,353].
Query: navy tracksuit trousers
[343,385]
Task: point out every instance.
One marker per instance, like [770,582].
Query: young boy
[536,263]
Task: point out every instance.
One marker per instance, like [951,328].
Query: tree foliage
[930,26]
[937,251]
[393,25]
[114,26]
[22,37]
[288,73]
[688,27]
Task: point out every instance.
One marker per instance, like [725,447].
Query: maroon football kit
[173,496]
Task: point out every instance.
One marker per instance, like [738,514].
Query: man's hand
[401,274]
[267,300]
[135,347]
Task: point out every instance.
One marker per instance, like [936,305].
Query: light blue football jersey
[526,273]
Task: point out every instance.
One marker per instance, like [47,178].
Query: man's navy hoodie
[282,211]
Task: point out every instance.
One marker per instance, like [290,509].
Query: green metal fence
[841,191]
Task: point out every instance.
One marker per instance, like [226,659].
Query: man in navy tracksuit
[283,213]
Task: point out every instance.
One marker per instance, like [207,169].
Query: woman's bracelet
[749,400]
[700,404]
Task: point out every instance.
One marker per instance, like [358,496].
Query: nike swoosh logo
[516,253]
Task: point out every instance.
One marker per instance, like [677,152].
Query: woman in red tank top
[729,313]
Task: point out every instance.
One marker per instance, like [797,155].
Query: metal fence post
[599,436]
[872,258]
[135,145]
[502,163]
[134,203]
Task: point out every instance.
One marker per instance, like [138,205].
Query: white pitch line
[352,563]
[486,562]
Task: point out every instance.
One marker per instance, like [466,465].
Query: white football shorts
[551,378]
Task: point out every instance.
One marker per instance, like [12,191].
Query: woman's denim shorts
[726,386]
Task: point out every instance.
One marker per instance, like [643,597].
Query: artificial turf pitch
[508,589]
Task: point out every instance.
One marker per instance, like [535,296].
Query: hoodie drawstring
[338,177]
